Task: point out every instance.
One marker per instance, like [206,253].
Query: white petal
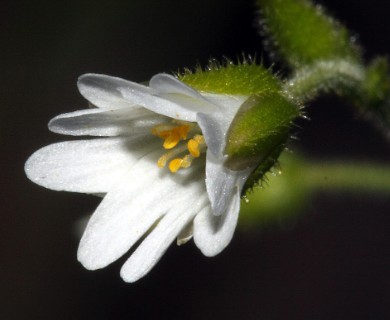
[213,133]
[154,246]
[186,100]
[103,122]
[165,83]
[88,166]
[105,91]
[213,233]
[102,91]
[222,183]
[215,124]
[128,211]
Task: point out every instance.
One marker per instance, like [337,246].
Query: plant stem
[339,76]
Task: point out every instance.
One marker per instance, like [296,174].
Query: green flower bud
[303,33]
[258,133]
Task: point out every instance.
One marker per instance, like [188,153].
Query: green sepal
[258,134]
[244,78]
[303,33]
[264,167]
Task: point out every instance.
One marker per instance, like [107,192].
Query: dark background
[333,263]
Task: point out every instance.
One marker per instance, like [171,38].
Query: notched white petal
[157,242]
[130,209]
[117,224]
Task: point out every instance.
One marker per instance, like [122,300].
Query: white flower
[158,162]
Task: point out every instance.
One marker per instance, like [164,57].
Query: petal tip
[211,250]
[89,260]
[130,275]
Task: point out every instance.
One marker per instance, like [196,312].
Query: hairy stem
[339,76]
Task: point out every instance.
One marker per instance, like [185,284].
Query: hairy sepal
[258,134]
[243,78]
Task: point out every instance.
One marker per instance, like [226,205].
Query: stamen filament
[162,161]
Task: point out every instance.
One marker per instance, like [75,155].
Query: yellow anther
[193,148]
[186,161]
[178,163]
[175,164]
[162,161]
[171,141]
[171,134]
[193,145]
[199,138]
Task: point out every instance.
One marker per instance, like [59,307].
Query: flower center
[173,134]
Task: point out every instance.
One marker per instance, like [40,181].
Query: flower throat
[172,134]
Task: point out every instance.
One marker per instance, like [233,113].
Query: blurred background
[331,263]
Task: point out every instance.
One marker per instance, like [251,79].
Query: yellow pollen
[178,163]
[171,141]
[193,148]
[162,161]
[169,155]
[186,161]
[171,134]
[175,164]
[180,155]
[193,145]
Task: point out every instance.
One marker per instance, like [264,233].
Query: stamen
[178,163]
[171,141]
[171,134]
[169,155]
[175,164]
[193,145]
[187,160]
[162,161]
[193,148]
